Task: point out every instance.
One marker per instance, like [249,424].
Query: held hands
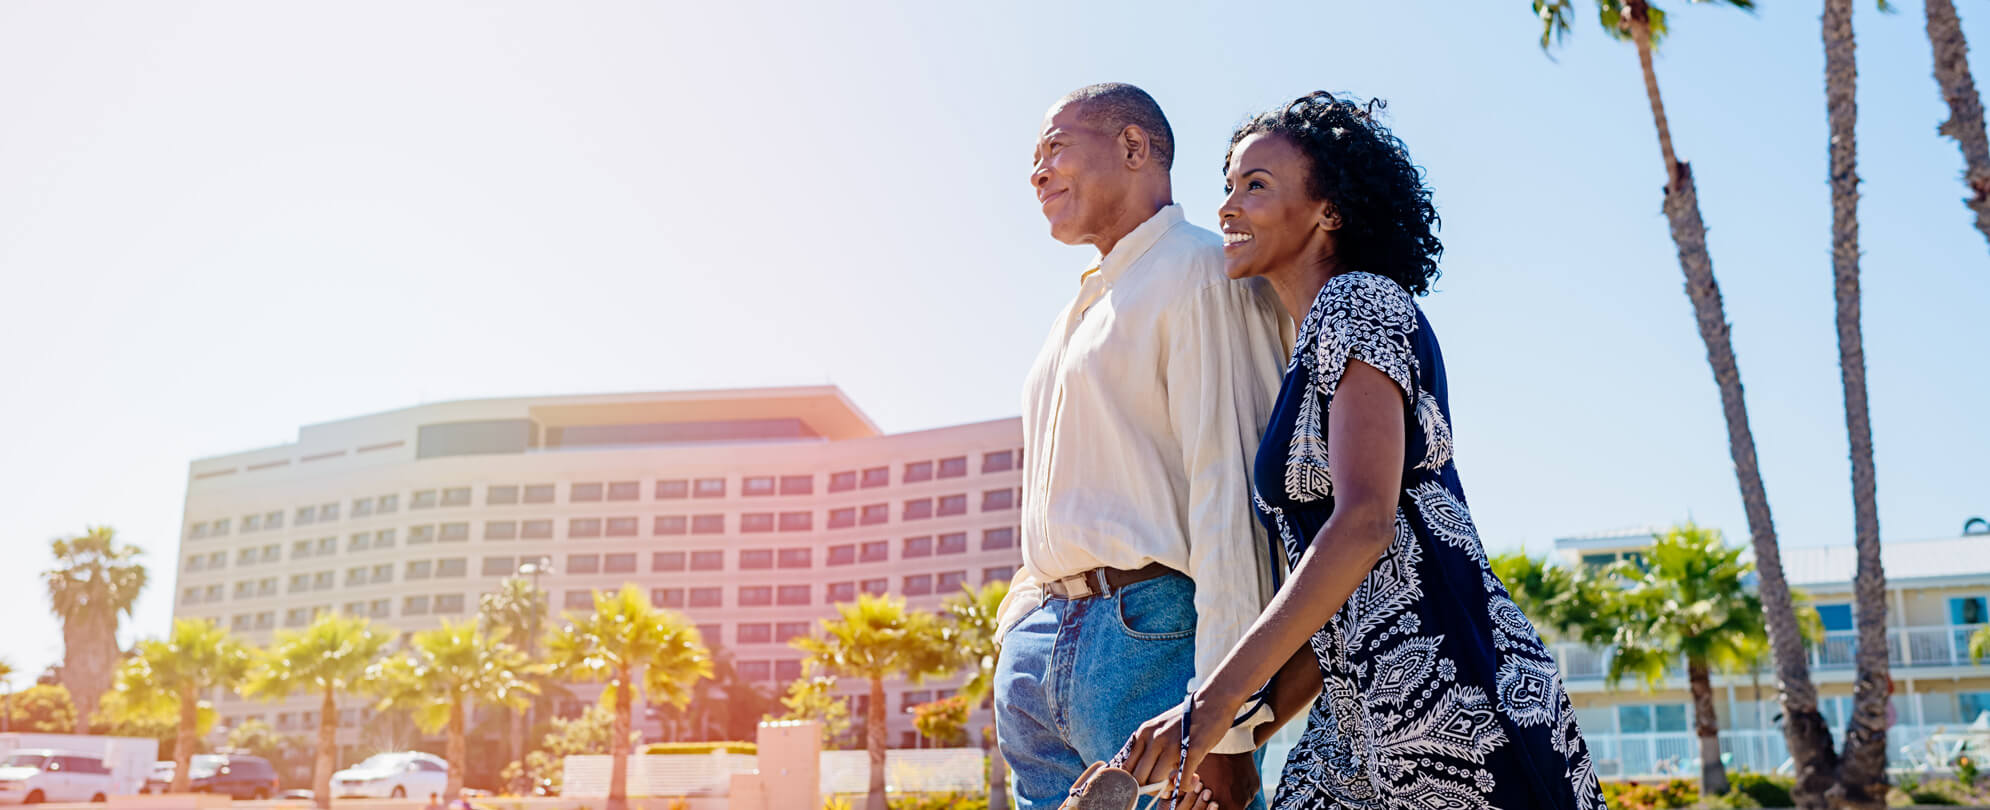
[1153,751]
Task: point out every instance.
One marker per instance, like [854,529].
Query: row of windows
[944,583]
[593,492]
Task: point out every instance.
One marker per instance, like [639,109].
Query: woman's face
[1270,219]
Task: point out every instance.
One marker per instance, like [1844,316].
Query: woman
[1433,690]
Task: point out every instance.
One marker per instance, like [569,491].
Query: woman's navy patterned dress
[1438,692]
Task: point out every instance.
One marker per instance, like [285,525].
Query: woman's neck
[1299,283]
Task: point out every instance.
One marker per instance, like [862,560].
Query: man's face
[1080,175]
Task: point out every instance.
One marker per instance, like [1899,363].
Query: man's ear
[1134,146]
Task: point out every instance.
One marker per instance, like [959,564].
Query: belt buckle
[1077,587]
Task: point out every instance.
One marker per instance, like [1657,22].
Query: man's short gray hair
[1112,106]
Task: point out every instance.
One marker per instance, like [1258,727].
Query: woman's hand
[1153,751]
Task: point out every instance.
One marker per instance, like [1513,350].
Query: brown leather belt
[1102,580]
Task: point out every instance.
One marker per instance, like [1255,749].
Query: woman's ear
[1330,218]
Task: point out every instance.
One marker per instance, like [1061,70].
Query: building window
[845,554]
[756,522]
[379,608]
[953,543]
[306,515]
[668,490]
[874,514]
[355,577]
[793,595]
[707,597]
[361,507]
[454,532]
[625,490]
[414,606]
[300,549]
[584,527]
[785,631]
[456,496]
[919,509]
[708,560]
[422,499]
[876,477]
[1646,718]
[500,529]
[383,573]
[449,603]
[239,624]
[622,527]
[787,669]
[996,500]
[755,633]
[918,585]
[272,553]
[708,524]
[993,539]
[952,505]
[500,566]
[876,587]
[874,551]
[583,563]
[383,538]
[579,600]
[755,671]
[998,461]
[998,573]
[190,596]
[296,617]
[196,562]
[755,595]
[667,561]
[387,504]
[953,467]
[535,529]
[247,556]
[756,559]
[1836,617]
[265,620]
[327,547]
[245,589]
[220,528]
[841,592]
[951,581]
[418,569]
[217,559]
[300,583]
[843,481]
[451,568]
[669,524]
[795,558]
[709,488]
[843,518]
[797,521]
[357,542]
[1967,610]
[252,523]
[619,563]
[501,495]
[756,485]
[916,547]
[1971,706]
[667,597]
[583,493]
[418,535]
[538,493]
[917,471]
[797,485]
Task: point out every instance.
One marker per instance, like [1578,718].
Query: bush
[938,801]
[1932,796]
[1765,789]
[701,748]
[1675,794]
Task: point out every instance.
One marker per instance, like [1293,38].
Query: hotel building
[752,512]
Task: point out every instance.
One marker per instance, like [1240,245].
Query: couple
[1155,622]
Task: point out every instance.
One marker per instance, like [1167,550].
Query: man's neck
[1129,221]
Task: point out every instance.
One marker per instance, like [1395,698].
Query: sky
[220,221]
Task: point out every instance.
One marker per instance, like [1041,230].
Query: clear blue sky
[223,220]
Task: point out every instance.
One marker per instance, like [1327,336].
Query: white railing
[1677,754]
[927,770]
[1926,646]
[907,770]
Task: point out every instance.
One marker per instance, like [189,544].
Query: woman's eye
[1255,185]
[1227,189]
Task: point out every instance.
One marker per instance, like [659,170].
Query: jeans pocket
[1160,609]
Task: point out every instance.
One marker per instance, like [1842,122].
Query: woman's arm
[1292,691]
[1365,435]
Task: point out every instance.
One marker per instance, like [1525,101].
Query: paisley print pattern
[1437,691]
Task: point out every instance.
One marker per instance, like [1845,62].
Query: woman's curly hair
[1388,225]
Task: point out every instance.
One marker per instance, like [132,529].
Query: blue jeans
[1076,677]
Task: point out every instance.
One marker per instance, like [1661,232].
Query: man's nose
[1040,176]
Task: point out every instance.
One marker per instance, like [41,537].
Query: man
[1142,561]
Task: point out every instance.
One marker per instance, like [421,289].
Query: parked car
[36,775]
[300,795]
[240,776]
[394,775]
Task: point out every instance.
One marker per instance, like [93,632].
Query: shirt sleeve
[1226,348]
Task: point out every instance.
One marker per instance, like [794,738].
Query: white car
[396,775]
[37,775]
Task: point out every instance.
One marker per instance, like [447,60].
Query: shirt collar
[1134,245]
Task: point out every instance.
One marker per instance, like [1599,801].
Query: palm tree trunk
[1809,739]
[1706,724]
[1965,122]
[183,741]
[459,754]
[618,746]
[1862,765]
[89,660]
[328,750]
[518,744]
[874,743]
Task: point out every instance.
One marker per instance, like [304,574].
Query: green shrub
[1767,790]
[1932,796]
[701,748]
[939,801]
[1675,794]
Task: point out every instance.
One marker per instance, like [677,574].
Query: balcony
[1925,646]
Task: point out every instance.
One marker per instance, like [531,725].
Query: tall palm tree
[877,638]
[1803,725]
[1965,122]
[972,622]
[812,697]
[95,579]
[445,674]
[331,656]
[519,607]
[1565,603]
[624,639]
[1862,763]
[1979,645]
[6,695]
[172,672]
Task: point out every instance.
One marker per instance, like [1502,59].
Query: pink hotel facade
[752,511]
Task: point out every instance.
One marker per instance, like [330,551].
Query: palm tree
[812,697]
[626,638]
[1566,604]
[331,656]
[94,580]
[1862,764]
[444,675]
[877,638]
[1808,737]
[170,673]
[6,695]
[519,607]
[972,623]
[1965,122]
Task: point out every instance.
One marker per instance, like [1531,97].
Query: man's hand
[1231,779]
